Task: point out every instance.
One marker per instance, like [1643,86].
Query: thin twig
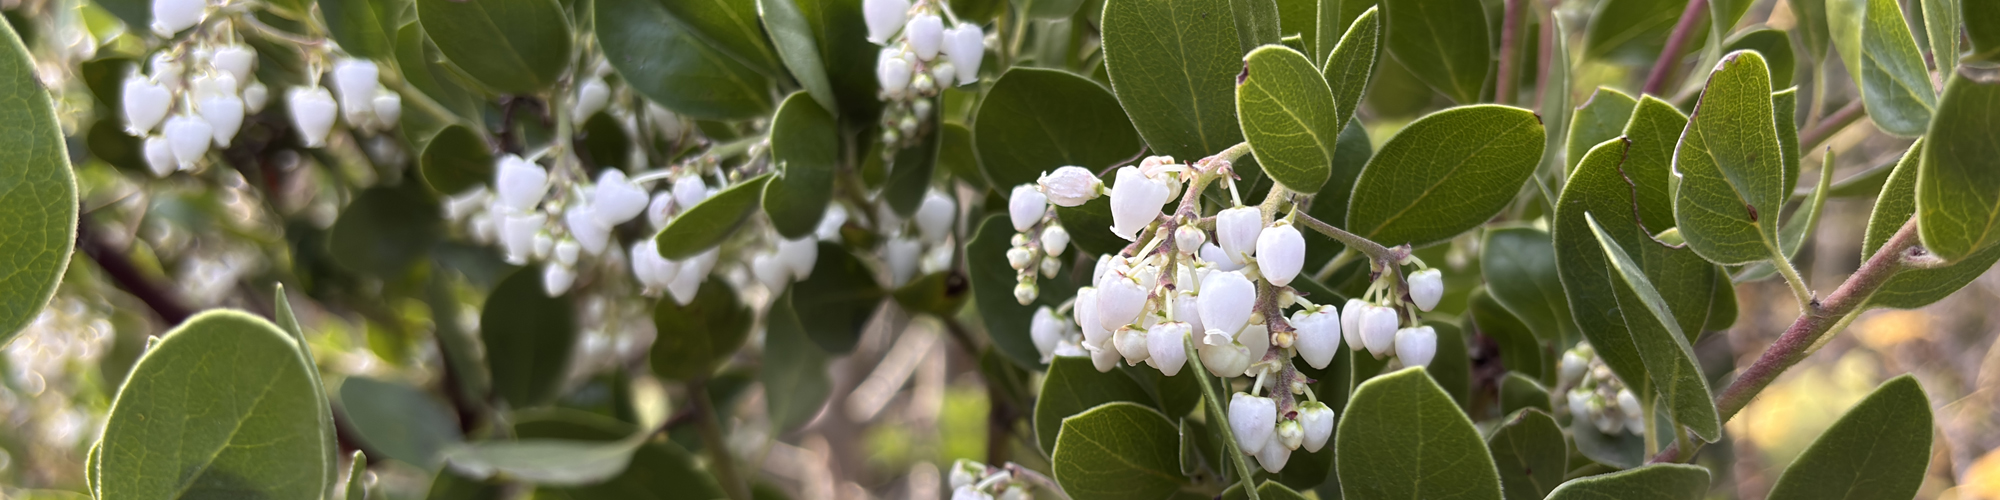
[1510,42]
[162,299]
[1825,129]
[1671,55]
[1373,250]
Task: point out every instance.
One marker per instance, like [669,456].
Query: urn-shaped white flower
[1025,206]
[1166,345]
[1253,419]
[1317,419]
[1416,346]
[1350,323]
[520,183]
[1071,186]
[883,17]
[313,112]
[1237,230]
[1378,330]
[1225,302]
[1281,252]
[1318,334]
[1426,288]
[145,104]
[925,33]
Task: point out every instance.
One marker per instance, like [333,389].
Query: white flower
[160,156]
[1350,323]
[1290,434]
[1166,346]
[692,272]
[517,235]
[1426,287]
[1054,240]
[901,254]
[616,199]
[1579,404]
[689,191]
[1317,419]
[1222,356]
[388,108]
[166,70]
[312,113]
[660,210]
[1187,311]
[799,256]
[584,224]
[968,493]
[1573,365]
[520,183]
[237,60]
[1025,206]
[1085,308]
[650,268]
[935,216]
[1253,419]
[1131,343]
[830,224]
[255,96]
[1378,329]
[1016,492]
[770,271]
[1256,340]
[543,245]
[1629,403]
[965,44]
[1020,258]
[965,473]
[590,98]
[1281,252]
[1416,346]
[1226,301]
[925,33]
[1213,254]
[1071,186]
[1120,299]
[172,16]
[883,17]
[145,104]
[556,278]
[1319,334]
[1189,239]
[567,251]
[1046,330]
[1104,359]
[224,114]
[1135,202]
[1237,231]
[356,80]
[211,84]
[892,71]
[1273,457]
[190,137]
[1050,266]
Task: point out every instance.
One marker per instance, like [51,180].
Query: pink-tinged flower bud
[1135,202]
[689,191]
[1416,346]
[1237,230]
[237,60]
[769,271]
[145,104]
[1189,239]
[1350,323]
[1319,334]
[892,71]
[312,114]
[1131,344]
[172,16]
[965,44]
[1426,287]
[1317,419]
[521,183]
[1046,330]
[935,215]
[1025,206]
[925,34]
[1166,346]
[556,278]
[160,156]
[1120,299]
[1253,419]
[190,137]
[1281,252]
[1378,330]
[1226,301]
[799,256]
[883,17]
[1071,186]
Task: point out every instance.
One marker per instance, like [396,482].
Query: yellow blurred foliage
[1885,329]
[1982,479]
[1799,406]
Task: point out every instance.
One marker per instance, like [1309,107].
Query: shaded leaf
[839,297]
[1519,264]
[1668,356]
[1442,43]
[1652,482]
[805,147]
[793,368]
[1519,392]
[658,470]
[398,421]
[385,230]
[1036,120]
[1402,437]
[705,225]
[528,337]
[511,46]
[1774,45]
[730,26]
[910,170]
[1878,450]
[364,28]
[1531,454]
[696,338]
[667,62]
[1520,351]
[457,159]
[1006,320]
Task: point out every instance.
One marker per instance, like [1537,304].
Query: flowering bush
[1214,249]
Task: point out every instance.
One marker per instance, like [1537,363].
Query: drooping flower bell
[1226,301]
[172,16]
[1120,299]
[883,17]
[935,215]
[1318,334]
[312,114]
[144,104]
[1378,330]
[1025,206]
[1046,330]
[1317,419]
[1166,346]
[1253,420]
[189,137]
[1426,288]
[1135,202]
[1416,346]
[925,33]
[1350,323]
[965,44]
[1237,230]
[1281,252]
[520,183]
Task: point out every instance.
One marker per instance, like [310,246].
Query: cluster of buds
[194,97]
[1370,325]
[924,243]
[1596,395]
[363,102]
[975,481]
[1263,433]
[920,57]
[1039,239]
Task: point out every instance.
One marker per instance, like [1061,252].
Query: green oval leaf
[456,160]
[1006,320]
[364,28]
[1403,437]
[1520,392]
[730,26]
[1914,288]
[37,192]
[1895,84]
[1288,116]
[385,230]
[1444,43]
[848,57]
[1350,64]
[1732,171]
[1118,451]
[1654,132]
[1961,170]
[528,337]
[398,421]
[839,297]
[1634,31]
[667,62]
[792,367]
[793,37]
[1668,356]
[423,67]
[1652,482]
[1445,174]
[657,470]
[805,147]
[1878,450]
[708,223]
[511,46]
[1074,385]
[1520,350]
[555,462]
[1531,453]
[1519,264]
[1036,120]
[222,405]
[696,338]
[1173,65]
[1774,45]
[1601,118]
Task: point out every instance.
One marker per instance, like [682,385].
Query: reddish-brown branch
[1510,43]
[1826,127]
[1671,55]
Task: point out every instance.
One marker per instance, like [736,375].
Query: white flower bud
[1426,287]
[1046,330]
[1219,258]
[1120,299]
[543,245]
[517,235]
[1579,404]
[1050,266]
[1086,317]
[892,72]
[654,271]
[689,191]
[1020,258]
[567,252]
[235,59]
[1104,359]
[925,33]
[520,183]
[160,156]
[1054,240]
[1135,202]
[692,273]
[935,216]
[1131,344]
[1635,424]
[1226,301]
[1187,311]
[1106,263]
[388,107]
[145,104]
[1166,346]
[166,70]
[1291,434]
[768,270]
[1573,366]
[590,98]
[1016,492]
[1025,206]
[968,493]
[556,279]
[901,254]
[1350,323]
[616,199]
[1629,403]
[965,473]
[355,81]
[1237,231]
[1222,356]
[224,115]
[1378,329]
[312,114]
[1317,419]
[965,44]
[1319,334]
[1189,239]
[941,71]
[1281,252]
[1273,457]
[1071,186]
[1253,419]
[1416,346]
[255,96]
[660,210]
[172,16]
[883,17]
[190,137]
[799,256]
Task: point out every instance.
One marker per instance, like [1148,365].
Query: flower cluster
[975,481]
[1596,395]
[1039,243]
[923,244]
[920,56]
[195,96]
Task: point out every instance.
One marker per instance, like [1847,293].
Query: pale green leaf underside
[1732,176]
[1443,42]
[1895,85]
[1958,185]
